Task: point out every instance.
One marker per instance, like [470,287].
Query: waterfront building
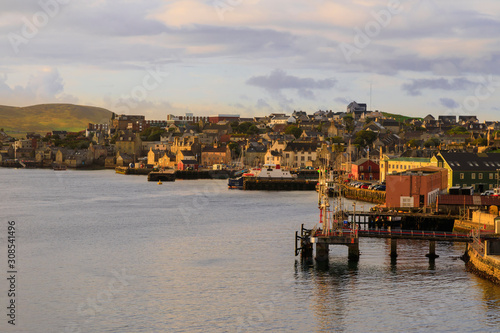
[129,143]
[211,155]
[470,169]
[365,169]
[390,165]
[417,187]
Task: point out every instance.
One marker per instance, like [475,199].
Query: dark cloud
[279,80]
[416,86]
[449,103]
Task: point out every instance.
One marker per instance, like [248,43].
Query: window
[309,158]
[480,175]
[302,158]
[473,175]
[360,168]
[461,176]
[491,176]
[369,168]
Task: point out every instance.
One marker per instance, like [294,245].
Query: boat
[274,171]
[59,167]
[235,183]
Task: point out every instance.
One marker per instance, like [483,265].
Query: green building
[470,169]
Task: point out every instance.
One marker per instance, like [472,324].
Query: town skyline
[252,58]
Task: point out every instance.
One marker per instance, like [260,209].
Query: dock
[278,184]
[165,176]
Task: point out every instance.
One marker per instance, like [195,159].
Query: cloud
[416,86]
[262,104]
[279,79]
[342,100]
[449,103]
[45,86]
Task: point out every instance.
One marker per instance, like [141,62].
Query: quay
[165,176]
[361,194]
[133,171]
[278,184]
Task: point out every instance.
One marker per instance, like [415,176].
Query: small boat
[235,183]
[59,167]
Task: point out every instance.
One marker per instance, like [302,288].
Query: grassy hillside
[44,118]
[399,117]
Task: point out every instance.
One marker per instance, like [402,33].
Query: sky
[253,57]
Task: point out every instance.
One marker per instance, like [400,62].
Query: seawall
[487,267]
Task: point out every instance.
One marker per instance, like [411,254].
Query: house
[211,155]
[154,156]
[353,106]
[365,169]
[336,129]
[447,120]
[185,155]
[470,169]
[300,154]
[418,187]
[391,125]
[168,160]
[123,159]
[61,134]
[254,154]
[130,144]
[187,165]
[273,157]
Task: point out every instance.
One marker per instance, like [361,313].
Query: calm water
[100,252]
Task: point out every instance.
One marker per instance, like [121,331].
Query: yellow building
[130,144]
[389,164]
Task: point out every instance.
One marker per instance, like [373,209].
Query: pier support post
[307,251]
[321,252]
[432,250]
[394,247]
[353,252]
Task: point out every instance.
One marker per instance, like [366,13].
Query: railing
[335,233]
[477,244]
[415,233]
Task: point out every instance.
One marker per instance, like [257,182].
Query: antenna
[370,96]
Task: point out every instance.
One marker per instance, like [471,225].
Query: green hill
[44,118]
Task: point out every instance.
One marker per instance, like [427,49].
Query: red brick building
[365,169]
[415,188]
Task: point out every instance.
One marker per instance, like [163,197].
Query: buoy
[159,182]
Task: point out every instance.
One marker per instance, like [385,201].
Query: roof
[296,146]
[193,162]
[472,161]
[410,159]
[362,161]
[469,200]
[210,149]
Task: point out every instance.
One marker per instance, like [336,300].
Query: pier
[278,184]
[341,227]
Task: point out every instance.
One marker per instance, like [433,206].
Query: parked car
[488,192]
[379,188]
[364,186]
